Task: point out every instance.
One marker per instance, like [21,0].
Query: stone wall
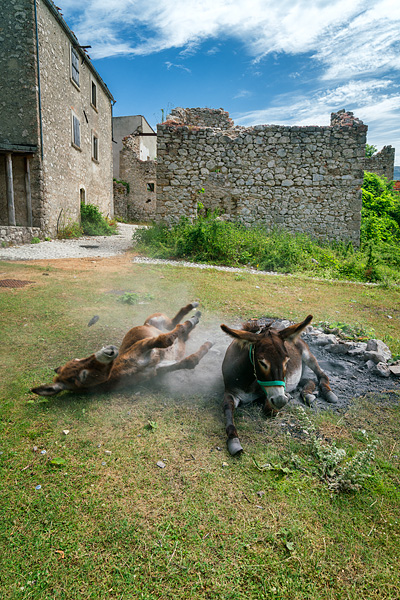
[14,236]
[141,177]
[18,69]
[381,163]
[121,200]
[68,169]
[305,179]
[201,117]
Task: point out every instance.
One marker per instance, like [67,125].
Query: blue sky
[289,62]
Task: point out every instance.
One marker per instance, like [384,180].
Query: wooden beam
[10,189]
[28,191]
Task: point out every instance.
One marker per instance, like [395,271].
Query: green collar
[263,384]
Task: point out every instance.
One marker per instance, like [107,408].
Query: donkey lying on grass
[139,358]
[262,362]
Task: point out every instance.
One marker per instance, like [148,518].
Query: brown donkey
[263,362]
[141,357]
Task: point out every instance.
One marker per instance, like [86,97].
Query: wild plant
[341,476]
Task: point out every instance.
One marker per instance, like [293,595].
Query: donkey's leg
[163,322]
[190,362]
[323,379]
[182,313]
[233,442]
[307,387]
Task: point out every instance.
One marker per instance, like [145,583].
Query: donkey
[142,356]
[263,362]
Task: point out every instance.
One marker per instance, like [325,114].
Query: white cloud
[171,65]
[243,94]
[346,36]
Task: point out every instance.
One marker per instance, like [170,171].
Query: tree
[370,150]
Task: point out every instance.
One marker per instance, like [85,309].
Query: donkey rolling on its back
[140,357]
[263,362]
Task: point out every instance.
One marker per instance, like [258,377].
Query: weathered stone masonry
[305,179]
[140,175]
[381,163]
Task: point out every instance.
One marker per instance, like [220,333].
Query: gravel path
[93,246]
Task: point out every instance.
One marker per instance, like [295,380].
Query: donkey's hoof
[196,318]
[194,304]
[309,399]
[234,446]
[331,397]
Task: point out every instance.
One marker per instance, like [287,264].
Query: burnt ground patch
[349,376]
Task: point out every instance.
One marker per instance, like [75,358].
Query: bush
[380,215]
[93,222]
[71,230]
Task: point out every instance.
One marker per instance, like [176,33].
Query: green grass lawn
[115,525]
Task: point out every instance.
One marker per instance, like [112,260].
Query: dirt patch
[111,264]
[349,376]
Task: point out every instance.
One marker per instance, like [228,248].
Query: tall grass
[211,240]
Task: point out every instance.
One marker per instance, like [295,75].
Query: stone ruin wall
[305,179]
[139,203]
[381,163]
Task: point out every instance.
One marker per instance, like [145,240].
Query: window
[74,66]
[82,195]
[150,187]
[93,99]
[95,147]
[76,131]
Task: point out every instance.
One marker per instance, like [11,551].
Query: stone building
[305,179]
[135,190]
[381,163]
[55,126]
[133,125]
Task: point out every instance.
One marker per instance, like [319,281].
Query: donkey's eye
[264,364]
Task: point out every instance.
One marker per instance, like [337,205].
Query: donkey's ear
[294,331]
[49,390]
[239,334]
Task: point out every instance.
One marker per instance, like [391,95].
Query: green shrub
[35,240]
[93,222]
[71,230]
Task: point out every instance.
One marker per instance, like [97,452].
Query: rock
[377,357]
[380,347]
[93,320]
[382,369]
[161,464]
[65,431]
[108,452]
[324,339]
[338,348]
[395,370]
[357,349]
[370,364]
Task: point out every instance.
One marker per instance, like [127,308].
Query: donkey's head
[80,374]
[268,354]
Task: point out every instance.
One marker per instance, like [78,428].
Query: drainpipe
[38,75]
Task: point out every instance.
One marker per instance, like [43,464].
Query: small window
[95,147]
[94,95]
[74,66]
[76,131]
[82,195]
[150,187]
